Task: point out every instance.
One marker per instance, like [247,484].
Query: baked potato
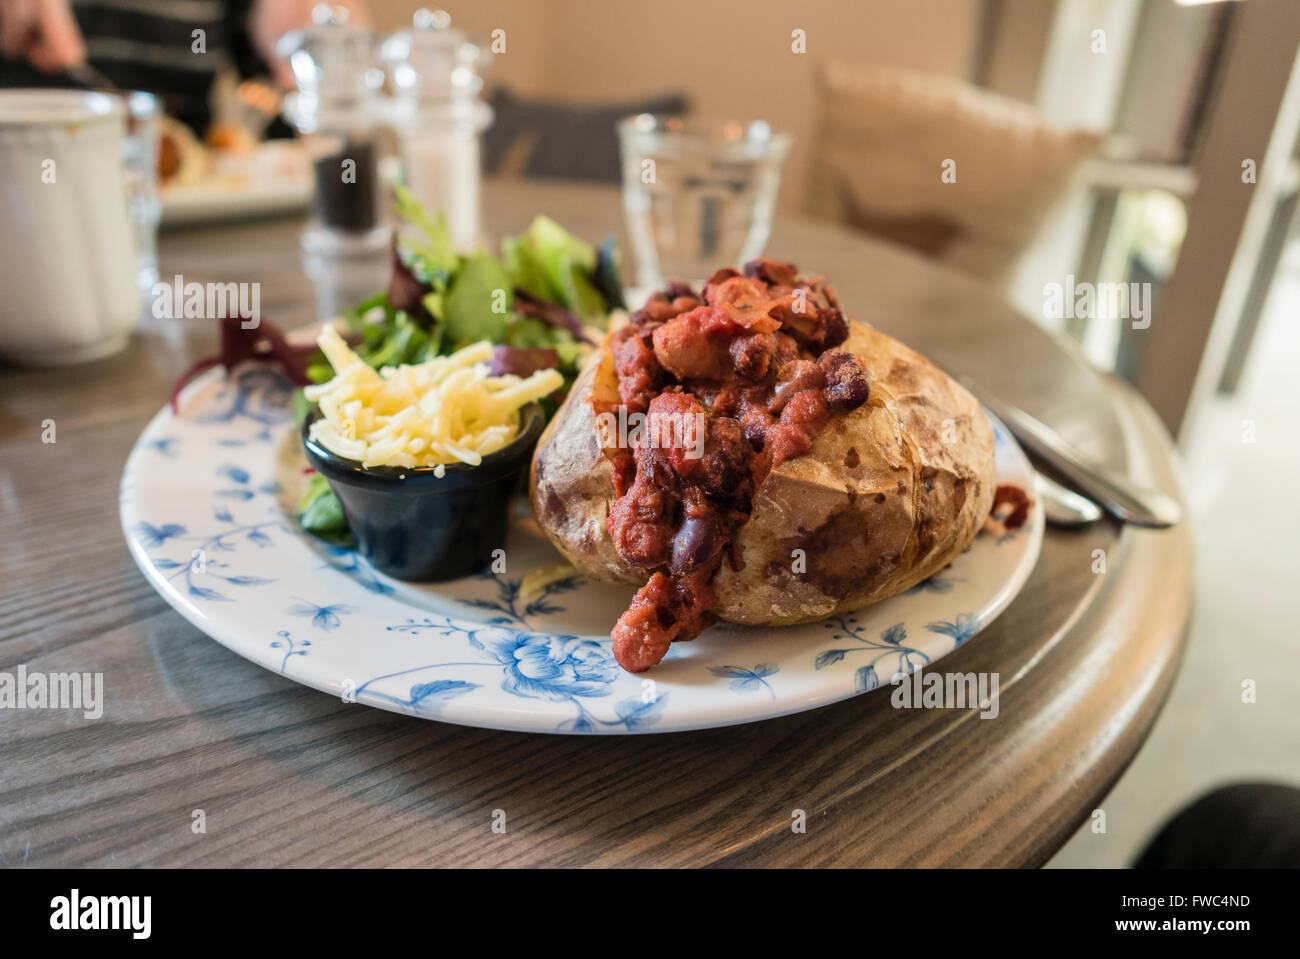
[892,481]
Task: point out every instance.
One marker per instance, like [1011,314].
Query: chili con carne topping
[733,381]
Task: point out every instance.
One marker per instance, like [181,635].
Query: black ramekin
[415,525]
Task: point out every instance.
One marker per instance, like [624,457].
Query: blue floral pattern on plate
[206,502]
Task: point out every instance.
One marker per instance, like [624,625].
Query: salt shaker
[336,109]
[436,75]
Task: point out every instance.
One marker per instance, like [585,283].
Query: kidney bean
[700,537]
[846,380]
[724,472]
[674,290]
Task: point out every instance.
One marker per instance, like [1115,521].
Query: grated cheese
[442,411]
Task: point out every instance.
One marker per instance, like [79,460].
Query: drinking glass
[140,164]
[698,194]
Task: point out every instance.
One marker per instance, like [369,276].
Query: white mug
[68,291]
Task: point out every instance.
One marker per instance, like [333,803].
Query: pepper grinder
[436,75]
[336,108]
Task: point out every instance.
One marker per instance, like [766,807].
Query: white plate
[206,504]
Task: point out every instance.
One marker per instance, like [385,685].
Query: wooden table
[288,776]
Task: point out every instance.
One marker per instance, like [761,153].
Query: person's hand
[269,20]
[42,32]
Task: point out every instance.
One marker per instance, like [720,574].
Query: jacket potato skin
[890,493]
[571,481]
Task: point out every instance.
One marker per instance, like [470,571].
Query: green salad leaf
[549,263]
[404,343]
[555,241]
[525,332]
[433,259]
[320,513]
[527,273]
[478,303]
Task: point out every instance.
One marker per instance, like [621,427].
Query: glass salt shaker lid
[334,68]
[433,61]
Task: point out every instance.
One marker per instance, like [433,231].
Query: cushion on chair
[536,138]
[884,137]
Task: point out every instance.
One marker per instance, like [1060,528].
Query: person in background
[151,44]
[1249,825]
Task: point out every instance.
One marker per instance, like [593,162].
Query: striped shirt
[173,48]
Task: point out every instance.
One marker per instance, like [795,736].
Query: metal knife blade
[1115,493]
